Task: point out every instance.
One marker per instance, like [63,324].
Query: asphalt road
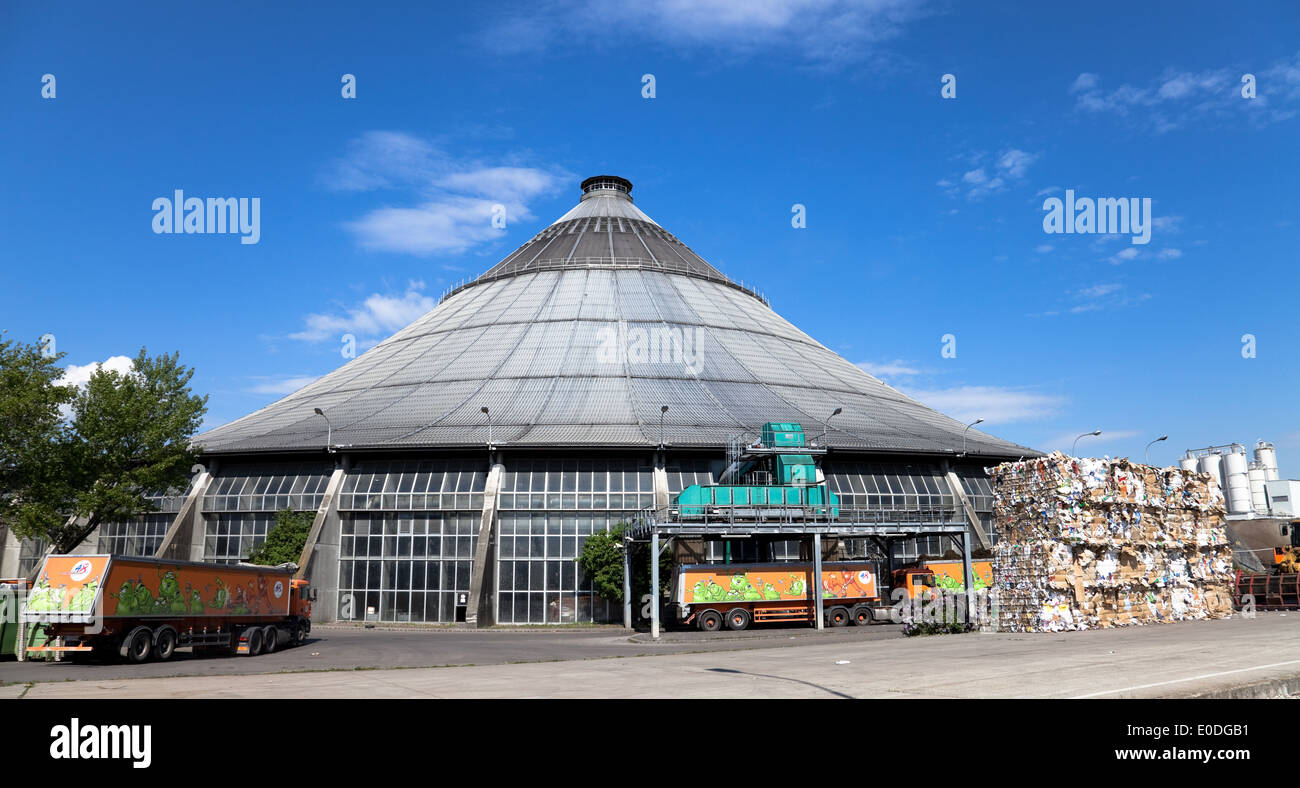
[1168,660]
[346,648]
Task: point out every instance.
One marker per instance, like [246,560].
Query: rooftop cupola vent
[606,184]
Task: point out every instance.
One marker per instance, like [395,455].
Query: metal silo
[1258,495]
[1188,462]
[1210,463]
[1266,456]
[1236,486]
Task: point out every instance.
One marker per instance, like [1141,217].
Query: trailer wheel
[709,621]
[297,635]
[838,616]
[165,645]
[738,619]
[254,641]
[270,639]
[137,646]
[862,615]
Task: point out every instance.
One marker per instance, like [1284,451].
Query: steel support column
[627,583]
[817,579]
[968,575]
[654,585]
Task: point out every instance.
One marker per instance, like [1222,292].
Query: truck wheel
[710,621]
[138,645]
[838,616]
[738,619]
[165,646]
[298,635]
[270,639]
[862,615]
[254,641]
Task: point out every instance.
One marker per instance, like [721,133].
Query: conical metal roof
[579,338]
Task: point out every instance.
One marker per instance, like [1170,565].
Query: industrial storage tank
[1188,462]
[1258,494]
[1236,484]
[1266,456]
[1210,463]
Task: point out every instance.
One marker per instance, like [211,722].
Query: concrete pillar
[11,549]
[817,580]
[482,604]
[179,542]
[661,481]
[654,585]
[319,561]
[972,517]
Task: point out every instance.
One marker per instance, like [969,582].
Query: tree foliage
[285,540]
[602,560]
[71,458]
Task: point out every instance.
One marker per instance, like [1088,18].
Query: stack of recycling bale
[1089,543]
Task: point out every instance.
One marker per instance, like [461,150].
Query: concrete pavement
[1156,661]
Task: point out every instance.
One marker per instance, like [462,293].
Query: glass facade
[406,566]
[142,535]
[240,504]
[138,536]
[549,508]
[408,534]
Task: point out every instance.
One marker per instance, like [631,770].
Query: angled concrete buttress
[481,607]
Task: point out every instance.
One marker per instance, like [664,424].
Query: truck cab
[914,580]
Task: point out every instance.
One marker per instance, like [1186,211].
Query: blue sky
[924,214]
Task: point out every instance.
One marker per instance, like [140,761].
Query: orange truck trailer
[141,608]
[737,595]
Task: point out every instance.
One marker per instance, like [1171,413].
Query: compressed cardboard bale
[1097,542]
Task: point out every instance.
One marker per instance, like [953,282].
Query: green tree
[602,560]
[124,435]
[284,542]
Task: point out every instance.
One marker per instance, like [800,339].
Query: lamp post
[329,430]
[827,423]
[1147,457]
[663,411]
[963,434]
[1084,435]
[488,413]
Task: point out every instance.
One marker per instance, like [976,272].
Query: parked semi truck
[142,608]
[1278,588]
[736,595]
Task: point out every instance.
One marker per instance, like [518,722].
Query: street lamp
[827,423]
[1084,435]
[1147,457]
[663,410]
[963,434]
[485,412]
[329,430]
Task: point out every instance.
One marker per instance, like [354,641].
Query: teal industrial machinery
[784,482]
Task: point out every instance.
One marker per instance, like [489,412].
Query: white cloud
[1124,255]
[994,404]
[377,316]
[79,375]
[1044,248]
[1047,191]
[283,385]
[1084,81]
[1175,98]
[452,203]
[987,179]
[823,31]
[1014,162]
[1096,291]
[896,368]
[1169,254]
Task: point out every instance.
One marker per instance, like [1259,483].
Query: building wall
[401,537]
